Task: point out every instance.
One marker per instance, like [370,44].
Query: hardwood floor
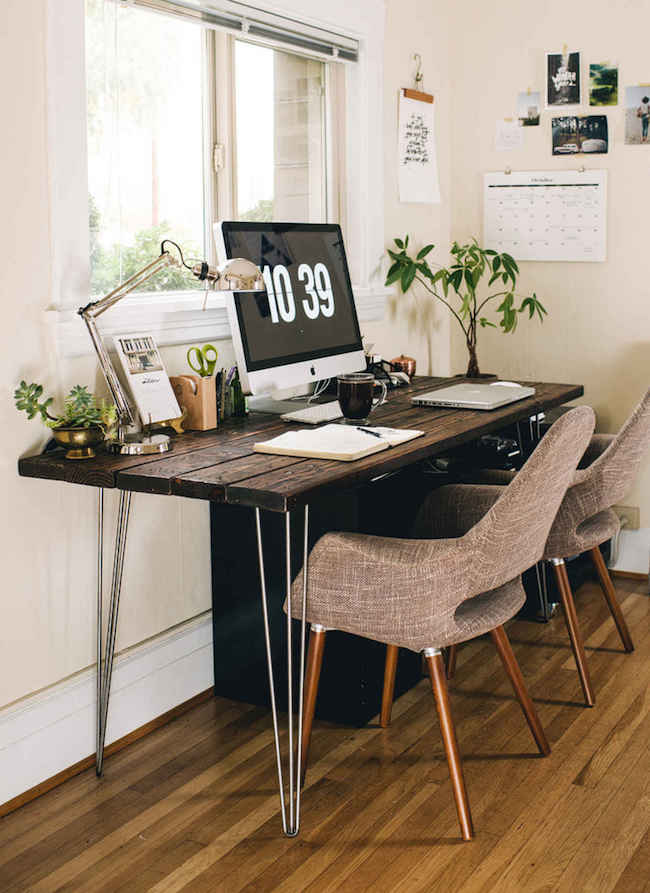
[193,806]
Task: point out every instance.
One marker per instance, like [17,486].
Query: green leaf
[496,264]
[406,242]
[455,279]
[486,322]
[490,252]
[399,257]
[422,253]
[539,306]
[408,275]
[393,276]
[399,243]
[493,277]
[511,262]
[530,304]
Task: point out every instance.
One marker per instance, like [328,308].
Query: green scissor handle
[202,360]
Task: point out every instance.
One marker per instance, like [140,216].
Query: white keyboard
[314,415]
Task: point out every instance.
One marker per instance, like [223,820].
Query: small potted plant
[83,424]
[464,278]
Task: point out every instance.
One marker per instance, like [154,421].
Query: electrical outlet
[631,515]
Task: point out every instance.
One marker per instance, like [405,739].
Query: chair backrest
[608,479]
[511,537]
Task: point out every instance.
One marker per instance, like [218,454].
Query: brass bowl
[80,441]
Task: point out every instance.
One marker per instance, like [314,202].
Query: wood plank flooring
[194,807]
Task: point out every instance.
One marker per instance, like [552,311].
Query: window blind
[259,26]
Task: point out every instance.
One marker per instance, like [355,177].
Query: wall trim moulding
[633,551]
[46,733]
[175,318]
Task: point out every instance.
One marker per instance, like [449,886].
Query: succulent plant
[80,410]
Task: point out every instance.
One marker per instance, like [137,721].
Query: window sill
[176,318]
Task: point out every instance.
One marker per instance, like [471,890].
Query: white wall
[598,327]
[414,325]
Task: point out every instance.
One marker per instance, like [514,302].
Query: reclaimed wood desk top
[221,465]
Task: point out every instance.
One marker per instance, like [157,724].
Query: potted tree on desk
[463,284]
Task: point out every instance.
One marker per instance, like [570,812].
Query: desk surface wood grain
[221,465]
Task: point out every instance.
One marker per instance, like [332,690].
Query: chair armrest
[597,446]
[495,476]
[452,511]
[359,579]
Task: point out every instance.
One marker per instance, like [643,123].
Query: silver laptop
[475,396]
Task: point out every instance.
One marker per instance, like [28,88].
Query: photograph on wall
[562,79]
[528,108]
[603,83]
[580,134]
[508,135]
[637,115]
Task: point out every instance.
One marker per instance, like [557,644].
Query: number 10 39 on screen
[316,283]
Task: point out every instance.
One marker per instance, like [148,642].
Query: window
[186,125]
[346,38]
[282,175]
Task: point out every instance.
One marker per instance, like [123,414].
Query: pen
[368,431]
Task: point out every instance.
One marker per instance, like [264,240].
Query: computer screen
[307,311]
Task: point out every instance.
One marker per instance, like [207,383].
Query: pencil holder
[197,396]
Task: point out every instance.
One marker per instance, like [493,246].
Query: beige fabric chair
[424,594]
[586,520]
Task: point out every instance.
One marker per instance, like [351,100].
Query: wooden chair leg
[571,618]
[511,666]
[312,676]
[452,652]
[390,669]
[610,597]
[436,667]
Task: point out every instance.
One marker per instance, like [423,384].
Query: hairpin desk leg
[105,665]
[100,592]
[292,826]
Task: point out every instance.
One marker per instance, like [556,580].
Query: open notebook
[343,442]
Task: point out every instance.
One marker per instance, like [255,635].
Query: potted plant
[83,424]
[465,279]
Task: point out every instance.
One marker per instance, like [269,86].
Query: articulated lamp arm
[237,274]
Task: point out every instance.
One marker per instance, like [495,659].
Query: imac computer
[304,327]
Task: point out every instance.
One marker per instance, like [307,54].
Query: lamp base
[140,444]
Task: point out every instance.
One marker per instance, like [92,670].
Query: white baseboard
[45,733]
[633,551]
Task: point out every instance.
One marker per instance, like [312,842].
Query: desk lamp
[236,274]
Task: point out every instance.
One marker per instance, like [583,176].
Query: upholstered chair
[425,594]
[584,522]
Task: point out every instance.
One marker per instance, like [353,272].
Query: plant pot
[80,441]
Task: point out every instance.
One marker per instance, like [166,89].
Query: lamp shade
[236,274]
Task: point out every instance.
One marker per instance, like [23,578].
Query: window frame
[178,317]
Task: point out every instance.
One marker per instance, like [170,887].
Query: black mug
[356,396]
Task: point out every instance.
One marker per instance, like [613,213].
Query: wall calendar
[546,215]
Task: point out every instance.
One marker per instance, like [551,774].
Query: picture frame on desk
[145,377]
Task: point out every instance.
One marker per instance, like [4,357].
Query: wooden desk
[221,466]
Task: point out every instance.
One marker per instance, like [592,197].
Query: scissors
[202,359]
